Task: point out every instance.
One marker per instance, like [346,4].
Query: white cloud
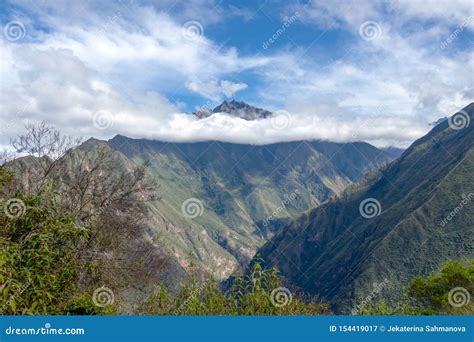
[230,88]
[402,72]
[162,50]
[452,12]
[383,131]
[337,13]
[77,70]
[55,86]
[213,90]
[383,91]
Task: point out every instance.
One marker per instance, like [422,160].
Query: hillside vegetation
[403,221]
[241,194]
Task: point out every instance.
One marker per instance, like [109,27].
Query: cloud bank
[129,68]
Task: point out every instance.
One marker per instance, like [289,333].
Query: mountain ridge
[239,187]
[337,253]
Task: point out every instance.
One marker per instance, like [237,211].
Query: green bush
[39,254]
[448,292]
[258,293]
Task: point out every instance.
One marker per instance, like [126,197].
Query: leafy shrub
[445,293]
[258,293]
[39,261]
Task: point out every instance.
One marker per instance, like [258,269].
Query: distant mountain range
[245,193]
[237,109]
[394,152]
[220,202]
[402,221]
[336,218]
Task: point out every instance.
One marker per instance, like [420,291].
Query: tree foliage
[447,292]
[62,207]
[260,292]
[38,261]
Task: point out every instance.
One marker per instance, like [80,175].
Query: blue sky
[378,71]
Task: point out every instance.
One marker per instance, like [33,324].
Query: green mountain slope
[242,193]
[422,214]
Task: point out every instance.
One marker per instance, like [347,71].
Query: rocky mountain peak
[235,108]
